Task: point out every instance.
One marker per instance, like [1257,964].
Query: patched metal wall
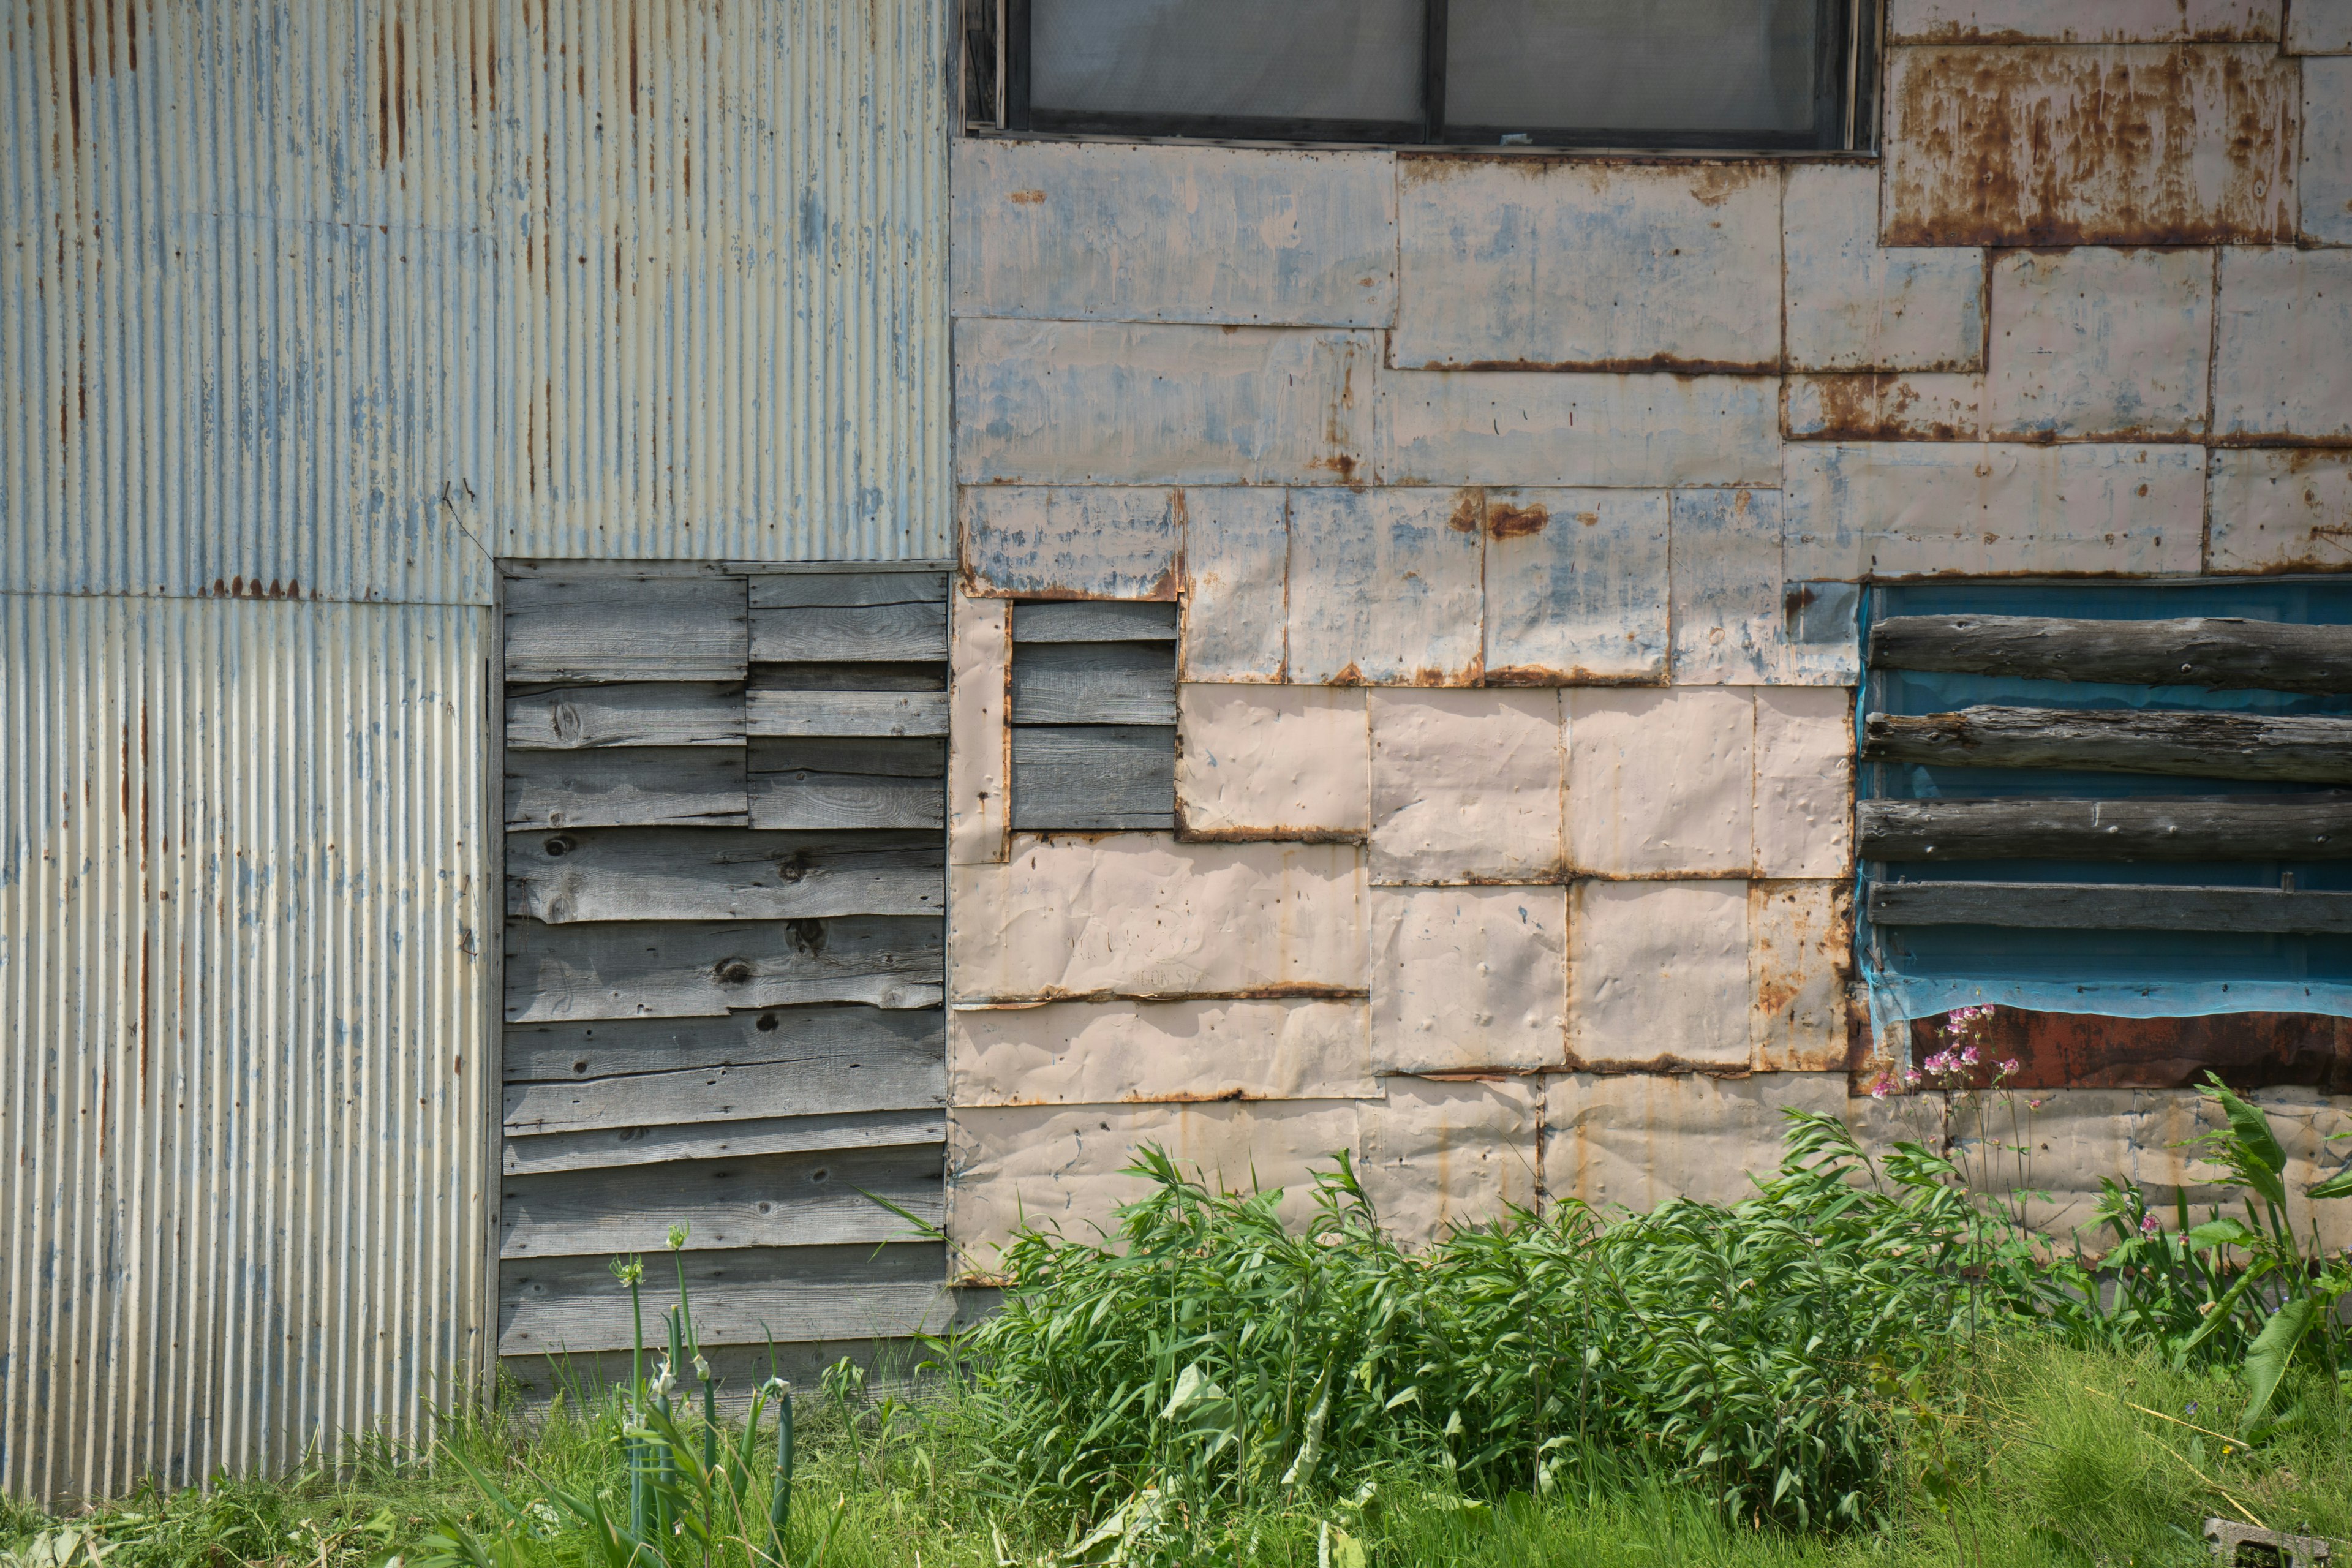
[247,1091]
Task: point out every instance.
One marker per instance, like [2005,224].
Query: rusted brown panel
[1883,405]
[2121,144]
[2085,1051]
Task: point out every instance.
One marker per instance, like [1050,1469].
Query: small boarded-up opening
[726,889]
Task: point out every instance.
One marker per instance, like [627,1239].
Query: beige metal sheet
[1121,1053]
[1236,583]
[1661,782]
[1804,781]
[1799,963]
[1658,976]
[2280,509]
[1576,585]
[2283,356]
[1467,786]
[2095,343]
[1639,1139]
[1854,305]
[1468,979]
[1575,429]
[980,766]
[1384,587]
[1271,762]
[1442,1156]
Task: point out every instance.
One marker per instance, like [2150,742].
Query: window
[1094,716]
[1753,74]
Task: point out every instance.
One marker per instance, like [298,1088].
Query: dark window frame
[1844,102]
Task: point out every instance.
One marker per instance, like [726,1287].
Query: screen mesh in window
[1342,60]
[1663,64]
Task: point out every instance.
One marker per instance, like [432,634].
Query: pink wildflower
[1968,1057]
[2148,1225]
[2010,1068]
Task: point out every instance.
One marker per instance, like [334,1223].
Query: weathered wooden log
[2273,827]
[2108,906]
[2199,744]
[2208,652]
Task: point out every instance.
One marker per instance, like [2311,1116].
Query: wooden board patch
[690,873]
[626,969]
[604,627]
[628,787]
[810,1199]
[639,713]
[1094,776]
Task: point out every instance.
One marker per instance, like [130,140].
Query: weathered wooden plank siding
[2278,827]
[2109,906]
[2273,655]
[614,874]
[2201,745]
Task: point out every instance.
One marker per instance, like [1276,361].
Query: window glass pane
[1295,59]
[1659,65]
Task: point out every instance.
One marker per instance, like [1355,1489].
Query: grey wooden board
[904,1080]
[600,626]
[563,1053]
[1094,776]
[2221,653]
[818,783]
[827,713]
[710,1141]
[2199,744]
[628,787]
[2273,827]
[1094,683]
[718,873]
[2103,906]
[841,1292]
[785,589]
[1093,620]
[862,632]
[837,674]
[757,1200]
[904,757]
[673,969]
[638,713]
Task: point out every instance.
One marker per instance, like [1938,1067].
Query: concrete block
[2319,27]
[1100,231]
[1657,976]
[1894,510]
[1924,406]
[1853,304]
[1466,786]
[2074,22]
[1526,427]
[1730,616]
[1804,781]
[1271,762]
[2099,342]
[1586,264]
[1105,1053]
[1139,915]
[1638,1140]
[1384,587]
[1660,783]
[1236,566]
[1468,979]
[1070,542]
[2283,358]
[1093,402]
[1443,1155]
[1059,1168]
[980,764]
[2279,508]
[1576,585]
[1799,963]
[2088,144]
[2323,183]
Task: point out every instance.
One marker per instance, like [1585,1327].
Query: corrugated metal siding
[338,300]
[243,990]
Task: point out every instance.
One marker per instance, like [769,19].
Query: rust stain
[1873,407]
[1573,675]
[1287,991]
[1467,504]
[2249,1050]
[1518,522]
[1651,365]
[1665,1065]
[1026,198]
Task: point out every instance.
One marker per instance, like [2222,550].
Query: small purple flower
[2149,1225]
[2011,1067]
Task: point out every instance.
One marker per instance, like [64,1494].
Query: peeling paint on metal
[1439,1155]
[2099,343]
[1576,587]
[1804,782]
[1919,407]
[1468,979]
[2283,356]
[1852,304]
[2323,183]
[1530,428]
[1801,947]
[1730,616]
[1071,543]
[980,762]
[2280,509]
[1236,584]
[1077,1053]
[2079,144]
[2071,22]
[1258,761]
[1587,264]
[1096,231]
[1467,787]
[1637,1141]
[1660,783]
[1384,587]
[1658,976]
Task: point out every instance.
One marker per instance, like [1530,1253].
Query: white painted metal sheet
[2324,186]
[1576,585]
[1639,1139]
[2073,22]
[1236,583]
[1271,762]
[2094,342]
[2280,509]
[1071,542]
[1804,781]
[1853,304]
[1105,1053]
[1467,786]
[2319,27]
[1658,976]
[1540,427]
[1384,587]
[2282,352]
[1730,614]
[1468,979]
[980,757]
[1660,783]
[250,1083]
[1441,1155]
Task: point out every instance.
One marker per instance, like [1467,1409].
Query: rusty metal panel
[2283,356]
[250,1083]
[980,762]
[1467,786]
[1282,761]
[1731,615]
[1536,263]
[1922,405]
[1124,1053]
[1236,584]
[2082,144]
[1440,1154]
[1799,963]
[1804,781]
[1918,509]
[1059,1166]
[1639,1139]
[2073,22]
[1071,542]
[2280,509]
[1576,585]
[2095,343]
[1100,403]
[2324,186]
[1139,915]
[2319,27]
[2093,1050]
[1468,979]
[1661,782]
[1384,587]
[1657,976]
[1852,304]
[1095,231]
[1536,427]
